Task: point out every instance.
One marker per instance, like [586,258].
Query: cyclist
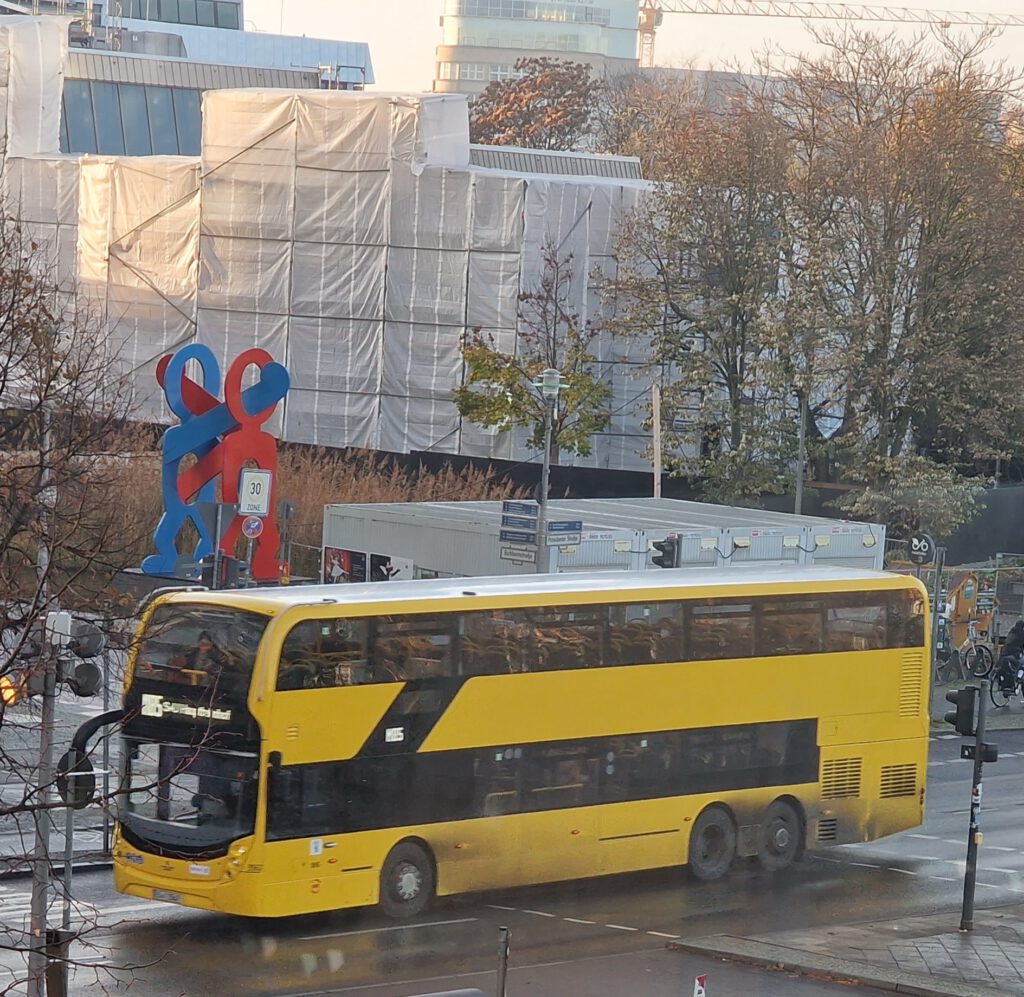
[1011,659]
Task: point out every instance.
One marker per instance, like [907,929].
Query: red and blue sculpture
[225,437]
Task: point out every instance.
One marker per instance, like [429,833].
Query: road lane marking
[621,927]
[578,920]
[906,872]
[1000,848]
[393,927]
[500,907]
[945,879]
[661,934]
[926,837]
[539,913]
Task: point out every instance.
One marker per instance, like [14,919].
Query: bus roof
[582,583]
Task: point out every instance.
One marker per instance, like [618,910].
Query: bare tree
[64,428]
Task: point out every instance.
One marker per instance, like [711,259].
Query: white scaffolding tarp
[345,233]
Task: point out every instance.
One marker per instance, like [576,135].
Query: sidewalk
[915,955]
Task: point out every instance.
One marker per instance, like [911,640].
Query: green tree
[498,387]
[699,274]
[548,104]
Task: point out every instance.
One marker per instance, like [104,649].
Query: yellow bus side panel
[548,706]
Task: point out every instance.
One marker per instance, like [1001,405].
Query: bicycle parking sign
[921,549]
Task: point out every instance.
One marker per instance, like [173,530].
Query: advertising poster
[342,565]
[386,568]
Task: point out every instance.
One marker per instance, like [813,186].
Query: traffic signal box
[963,718]
[77,641]
[965,721]
[668,553]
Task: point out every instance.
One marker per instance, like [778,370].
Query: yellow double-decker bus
[304,749]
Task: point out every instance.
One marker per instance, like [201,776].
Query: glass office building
[482,39]
[136,70]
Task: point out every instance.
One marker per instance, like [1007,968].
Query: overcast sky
[404,33]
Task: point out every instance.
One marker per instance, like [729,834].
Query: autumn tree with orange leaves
[549,104]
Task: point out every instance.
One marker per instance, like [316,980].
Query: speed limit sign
[921,548]
[254,489]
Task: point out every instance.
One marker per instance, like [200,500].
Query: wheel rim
[779,836]
[408,882]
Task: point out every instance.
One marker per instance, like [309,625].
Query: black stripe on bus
[412,715]
[408,788]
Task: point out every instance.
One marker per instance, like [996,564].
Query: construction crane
[652,13]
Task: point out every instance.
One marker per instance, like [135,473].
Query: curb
[753,952]
[56,869]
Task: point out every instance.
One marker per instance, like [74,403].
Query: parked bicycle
[973,657]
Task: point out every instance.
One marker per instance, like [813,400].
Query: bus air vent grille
[828,828]
[898,780]
[840,778]
[911,672]
[292,733]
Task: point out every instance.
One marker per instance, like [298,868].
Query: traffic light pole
[37,957]
[974,828]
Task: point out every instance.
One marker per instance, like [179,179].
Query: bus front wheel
[407,881]
[712,844]
[781,836]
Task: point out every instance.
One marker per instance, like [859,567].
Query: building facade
[136,70]
[482,39]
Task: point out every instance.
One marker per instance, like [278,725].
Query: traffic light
[231,572]
[962,718]
[668,552]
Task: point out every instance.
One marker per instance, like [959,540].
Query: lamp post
[549,385]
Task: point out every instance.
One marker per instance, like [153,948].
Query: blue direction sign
[566,526]
[519,522]
[519,509]
[517,537]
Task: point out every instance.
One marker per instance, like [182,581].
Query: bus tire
[712,844]
[407,880]
[782,831]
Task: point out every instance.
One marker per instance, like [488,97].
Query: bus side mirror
[274,759]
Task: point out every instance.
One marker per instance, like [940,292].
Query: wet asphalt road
[601,937]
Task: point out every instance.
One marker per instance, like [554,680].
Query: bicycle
[1002,692]
[974,658]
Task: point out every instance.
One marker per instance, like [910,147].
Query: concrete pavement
[918,955]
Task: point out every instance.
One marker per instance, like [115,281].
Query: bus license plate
[167,896]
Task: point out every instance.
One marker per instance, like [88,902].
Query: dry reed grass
[310,478]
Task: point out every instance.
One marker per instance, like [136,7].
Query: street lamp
[549,385]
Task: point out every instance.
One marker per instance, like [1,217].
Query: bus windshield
[207,648]
[187,798]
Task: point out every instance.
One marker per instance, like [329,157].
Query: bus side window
[406,648]
[793,626]
[720,629]
[855,622]
[496,772]
[642,633]
[560,776]
[494,642]
[320,654]
[906,620]
[569,636]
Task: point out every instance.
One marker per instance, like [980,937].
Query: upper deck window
[413,647]
[209,647]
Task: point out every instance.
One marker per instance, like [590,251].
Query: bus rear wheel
[712,844]
[781,836]
[407,881]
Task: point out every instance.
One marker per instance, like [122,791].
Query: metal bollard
[504,940]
